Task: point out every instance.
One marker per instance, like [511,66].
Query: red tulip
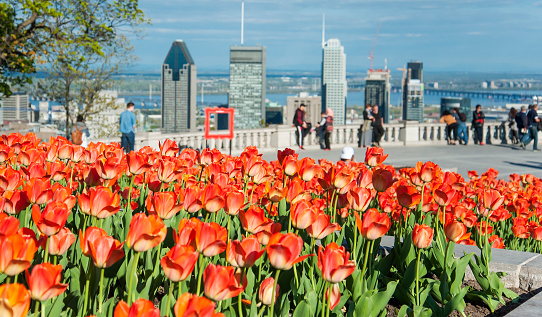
[192,203]
[374,156]
[110,169]
[382,179]
[283,250]
[15,201]
[38,190]
[145,232]
[105,251]
[335,293]
[189,305]
[496,242]
[443,195]
[187,232]
[422,236]
[308,169]
[277,192]
[244,253]
[265,294]
[44,281]
[8,225]
[428,171]
[268,230]
[212,199]
[163,204]
[303,215]
[14,300]
[91,235]
[359,198]
[290,165]
[99,202]
[167,171]
[16,253]
[179,262]
[407,196]
[253,220]
[322,227]
[374,224]
[138,163]
[168,148]
[52,219]
[64,195]
[140,308]
[221,282]
[492,199]
[456,231]
[334,263]
[235,200]
[60,242]
[343,178]
[211,239]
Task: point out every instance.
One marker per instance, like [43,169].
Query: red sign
[219,134]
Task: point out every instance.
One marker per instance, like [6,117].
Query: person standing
[532,128]
[300,125]
[512,124]
[127,123]
[478,125]
[320,128]
[461,118]
[81,129]
[366,127]
[378,129]
[328,128]
[347,155]
[451,126]
[521,121]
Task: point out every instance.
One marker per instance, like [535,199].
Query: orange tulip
[303,215]
[105,251]
[192,202]
[277,192]
[38,190]
[322,227]
[60,242]
[382,179]
[308,169]
[335,293]
[44,281]
[192,305]
[407,196]
[290,165]
[145,232]
[14,300]
[91,235]
[138,163]
[343,178]
[359,198]
[266,291]
[65,151]
[496,242]
[168,148]
[8,225]
[267,231]
[492,199]
[163,204]
[110,169]
[211,239]
[187,232]
[99,202]
[167,171]
[253,220]
[179,262]
[374,156]
[422,236]
[52,219]
[221,282]
[428,172]
[140,308]
[234,202]
[212,199]
[443,195]
[64,195]
[15,201]
[334,263]
[244,253]
[283,250]
[16,253]
[456,231]
[374,224]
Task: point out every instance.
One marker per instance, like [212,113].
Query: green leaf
[456,301]
[303,309]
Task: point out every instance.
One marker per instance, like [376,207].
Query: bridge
[512,97]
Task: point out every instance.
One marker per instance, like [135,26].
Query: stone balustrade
[279,137]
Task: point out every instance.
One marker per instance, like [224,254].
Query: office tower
[179,90]
[377,91]
[313,108]
[413,102]
[16,108]
[334,80]
[464,105]
[247,85]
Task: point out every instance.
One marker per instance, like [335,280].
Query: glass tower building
[377,91]
[179,90]
[413,102]
[247,85]
[334,85]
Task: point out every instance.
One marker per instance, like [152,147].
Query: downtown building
[247,86]
[179,90]
[334,85]
[313,108]
[413,90]
[377,91]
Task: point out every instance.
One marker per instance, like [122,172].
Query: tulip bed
[94,231]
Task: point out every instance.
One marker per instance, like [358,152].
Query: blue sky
[447,35]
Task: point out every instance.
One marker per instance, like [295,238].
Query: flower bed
[94,231]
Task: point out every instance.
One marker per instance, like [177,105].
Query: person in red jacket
[300,125]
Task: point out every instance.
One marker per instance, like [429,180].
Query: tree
[31,30]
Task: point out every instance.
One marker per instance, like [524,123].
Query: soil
[478,309]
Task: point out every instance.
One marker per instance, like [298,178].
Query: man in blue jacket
[127,128]
[532,127]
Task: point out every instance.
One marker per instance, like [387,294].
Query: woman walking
[328,128]
[366,128]
[451,126]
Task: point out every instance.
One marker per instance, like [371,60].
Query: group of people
[524,126]
[372,128]
[324,128]
[456,126]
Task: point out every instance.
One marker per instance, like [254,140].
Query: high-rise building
[377,91]
[464,105]
[413,89]
[179,90]
[16,108]
[247,85]
[334,85]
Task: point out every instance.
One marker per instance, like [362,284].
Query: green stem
[179,289]
[200,274]
[15,279]
[418,278]
[100,298]
[420,206]
[324,299]
[228,234]
[273,294]
[367,247]
[260,269]
[312,265]
[355,242]
[261,311]
[87,286]
[295,277]
[334,211]
[129,205]
[46,256]
[168,308]
[85,224]
[55,259]
[329,287]
[157,265]
[132,273]
[36,308]
[239,300]
[71,175]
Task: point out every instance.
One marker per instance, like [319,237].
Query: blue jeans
[127,142]
[462,132]
[531,135]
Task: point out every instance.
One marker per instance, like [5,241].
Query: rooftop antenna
[242,22]
[371,53]
[385,64]
[324,31]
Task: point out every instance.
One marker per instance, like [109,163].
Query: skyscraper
[247,85]
[413,102]
[377,91]
[334,79]
[178,90]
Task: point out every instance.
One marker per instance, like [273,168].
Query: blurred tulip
[244,253]
[283,250]
[422,236]
[38,191]
[60,242]
[359,198]
[322,227]
[221,282]
[138,163]
[496,242]
[303,215]
[492,199]
[277,192]
[235,200]
[187,232]
[382,179]
[212,199]
[179,262]
[168,148]
[290,165]
[520,229]
[163,204]
[189,305]
[211,239]
[44,281]
[145,232]
[140,308]
[51,219]
[334,263]
[192,202]
[8,225]
[105,251]
[167,171]
[253,220]
[15,201]
[408,196]
[16,253]
[443,195]
[110,169]
[343,178]
[265,293]
[14,300]
[374,224]
[456,231]
[308,169]
[374,156]
[91,235]
[267,231]
[99,202]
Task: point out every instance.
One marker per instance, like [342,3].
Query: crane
[371,53]
[404,70]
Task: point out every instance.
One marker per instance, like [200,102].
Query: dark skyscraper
[377,91]
[178,90]
[413,101]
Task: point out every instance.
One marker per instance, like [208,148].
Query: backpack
[77,136]
[329,123]
[462,117]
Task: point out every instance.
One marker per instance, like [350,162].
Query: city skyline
[454,36]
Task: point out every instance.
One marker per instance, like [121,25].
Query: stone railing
[280,137]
